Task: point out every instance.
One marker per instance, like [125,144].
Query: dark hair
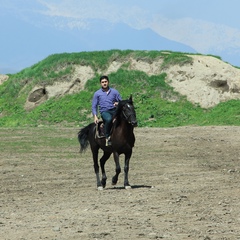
[104,77]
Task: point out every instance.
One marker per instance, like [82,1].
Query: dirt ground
[185,185]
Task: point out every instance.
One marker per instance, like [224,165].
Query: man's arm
[95,108]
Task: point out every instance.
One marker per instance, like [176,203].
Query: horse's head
[127,109]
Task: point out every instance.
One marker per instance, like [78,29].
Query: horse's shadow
[132,187]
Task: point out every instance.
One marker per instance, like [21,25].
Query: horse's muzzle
[134,123]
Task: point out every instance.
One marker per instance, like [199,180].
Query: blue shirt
[104,100]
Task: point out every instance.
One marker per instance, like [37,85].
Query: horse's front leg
[103,160]
[118,168]
[126,169]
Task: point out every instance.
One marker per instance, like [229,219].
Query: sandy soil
[185,185]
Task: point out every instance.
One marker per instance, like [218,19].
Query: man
[106,99]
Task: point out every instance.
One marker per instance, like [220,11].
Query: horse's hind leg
[103,160]
[118,168]
[96,168]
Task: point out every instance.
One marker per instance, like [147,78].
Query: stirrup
[108,142]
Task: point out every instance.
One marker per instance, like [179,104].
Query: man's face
[104,83]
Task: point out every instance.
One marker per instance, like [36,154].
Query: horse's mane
[120,105]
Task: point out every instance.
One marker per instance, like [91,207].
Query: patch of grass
[176,58]
[30,142]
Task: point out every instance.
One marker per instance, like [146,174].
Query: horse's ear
[130,98]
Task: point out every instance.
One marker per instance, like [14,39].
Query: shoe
[108,142]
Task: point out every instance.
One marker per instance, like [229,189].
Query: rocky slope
[3,78]
[208,81]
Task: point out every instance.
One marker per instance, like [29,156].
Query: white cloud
[75,11]
[201,35]
[85,9]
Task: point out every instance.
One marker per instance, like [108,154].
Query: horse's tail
[83,137]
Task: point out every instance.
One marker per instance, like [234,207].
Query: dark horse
[122,138]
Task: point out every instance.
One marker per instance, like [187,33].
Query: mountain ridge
[102,37]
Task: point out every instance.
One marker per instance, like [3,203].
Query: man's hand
[115,104]
[95,119]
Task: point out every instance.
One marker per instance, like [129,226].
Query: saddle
[99,132]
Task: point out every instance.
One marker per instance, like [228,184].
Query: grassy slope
[152,96]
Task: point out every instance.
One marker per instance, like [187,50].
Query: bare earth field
[185,185]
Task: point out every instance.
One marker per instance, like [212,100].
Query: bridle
[128,116]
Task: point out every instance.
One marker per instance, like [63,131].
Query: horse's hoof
[128,187]
[114,181]
[100,188]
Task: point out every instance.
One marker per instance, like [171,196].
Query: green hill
[156,102]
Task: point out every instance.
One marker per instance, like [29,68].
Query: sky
[31,30]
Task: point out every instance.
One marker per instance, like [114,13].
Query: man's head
[104,81]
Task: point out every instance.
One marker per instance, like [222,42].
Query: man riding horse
[106,99]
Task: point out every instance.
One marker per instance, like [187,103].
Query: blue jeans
[107,118]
